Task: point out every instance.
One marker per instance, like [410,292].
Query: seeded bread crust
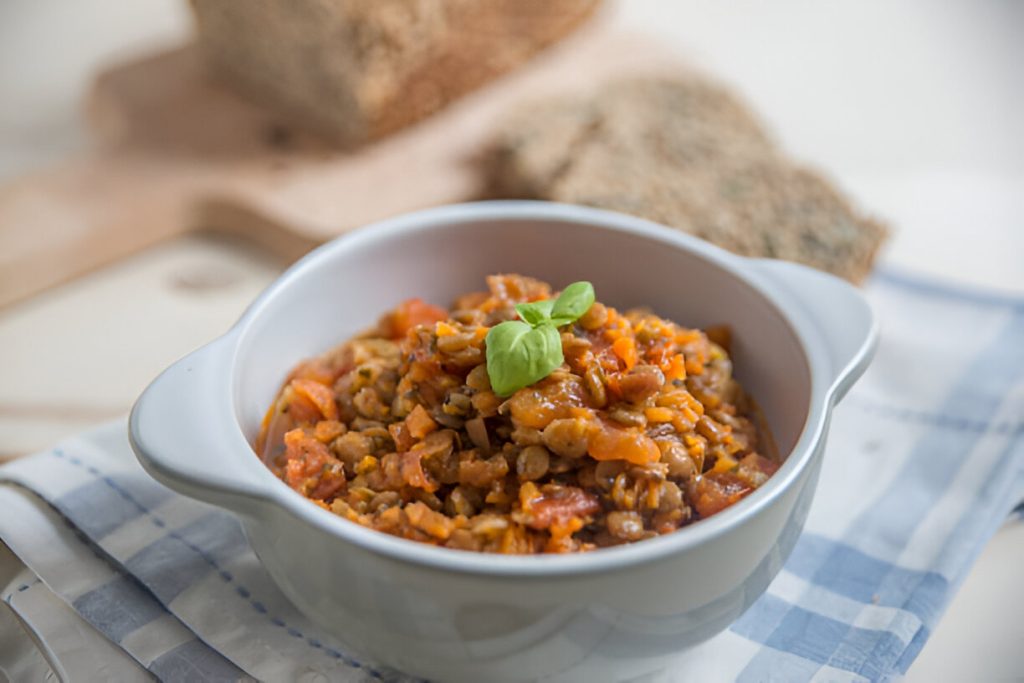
[686,153]
[356,70]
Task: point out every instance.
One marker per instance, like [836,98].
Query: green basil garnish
[519,355]
[521,352]
[536,312]
[572,303]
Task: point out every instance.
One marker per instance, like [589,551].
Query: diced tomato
[755,469]
[331,481]
[300,409]
[413,313]
[311,469]
[616,443]
[561,506]
[413,474]
[716,491]
[550,399]
[401,436]
[319,395]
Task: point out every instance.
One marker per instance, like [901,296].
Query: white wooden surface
[915,107]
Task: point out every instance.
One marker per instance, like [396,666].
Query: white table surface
[916,108]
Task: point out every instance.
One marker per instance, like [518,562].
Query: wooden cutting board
[177,151]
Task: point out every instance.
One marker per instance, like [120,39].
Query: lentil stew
[641,430]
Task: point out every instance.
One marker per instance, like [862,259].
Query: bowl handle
[836,309]
[185,434]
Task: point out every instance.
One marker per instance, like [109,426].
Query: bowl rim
[539,566]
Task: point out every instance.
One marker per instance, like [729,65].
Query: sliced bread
[684,152]
[357,70]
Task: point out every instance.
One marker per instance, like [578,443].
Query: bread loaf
[684,152]
[359,69]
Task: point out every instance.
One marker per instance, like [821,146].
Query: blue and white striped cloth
[925,461]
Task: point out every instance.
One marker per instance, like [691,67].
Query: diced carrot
[562,530]
[625,348]
[321,396]
[419,423]
[412,313]
[561,535]
[443,329]
[429,522]
[528,493]
[497,497]
[675,368]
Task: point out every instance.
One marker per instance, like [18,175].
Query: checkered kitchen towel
[924,462]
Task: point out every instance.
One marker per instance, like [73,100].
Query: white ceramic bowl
[800,339]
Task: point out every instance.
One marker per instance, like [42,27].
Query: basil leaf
[521,352]
[519,355]
[572,303]
[535,312]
